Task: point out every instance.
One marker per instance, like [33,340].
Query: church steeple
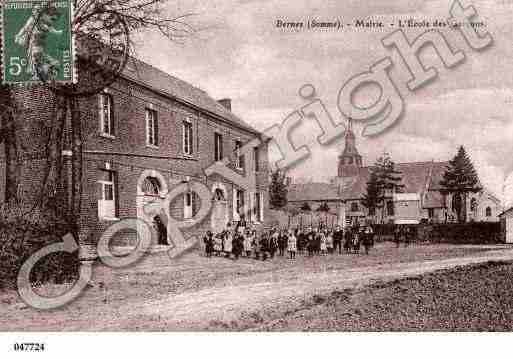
[350,160]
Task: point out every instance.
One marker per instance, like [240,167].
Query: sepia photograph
[341,169]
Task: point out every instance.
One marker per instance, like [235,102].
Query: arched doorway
[219,218]
[151,190]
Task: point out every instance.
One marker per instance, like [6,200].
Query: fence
[286,220]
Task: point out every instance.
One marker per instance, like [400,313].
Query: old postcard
[254,166]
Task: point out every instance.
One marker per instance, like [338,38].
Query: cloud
[245,57]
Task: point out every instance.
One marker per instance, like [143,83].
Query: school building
[422,198]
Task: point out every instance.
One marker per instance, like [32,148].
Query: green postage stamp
[37,41]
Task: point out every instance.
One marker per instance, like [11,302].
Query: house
[144,134]
[506,220]
[423,198]
[407,208]
[316,195]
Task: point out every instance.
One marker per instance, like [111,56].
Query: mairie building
[145,134]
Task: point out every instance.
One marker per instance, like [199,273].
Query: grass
[470,298]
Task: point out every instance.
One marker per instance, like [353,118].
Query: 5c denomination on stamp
[37,42]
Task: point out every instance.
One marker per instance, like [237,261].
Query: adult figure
[282,242]
[247,240]
[357,237]
[338,238]
[348,240]
[368,239]
[329,241]
[161,229]
[228,242]
[209,244]
[273,243]
[264,246]
[397,235]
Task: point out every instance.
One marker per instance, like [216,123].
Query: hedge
[24,231]
[455,233]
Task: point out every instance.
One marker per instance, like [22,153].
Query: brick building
[143,135]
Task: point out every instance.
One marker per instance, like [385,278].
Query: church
[421,199]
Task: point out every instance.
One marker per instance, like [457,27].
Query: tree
[459,179]
[323,208]
[278,190]
[137,16]
[384,181]
[372,199]
[306,207]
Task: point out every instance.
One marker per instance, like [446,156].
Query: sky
[241,54]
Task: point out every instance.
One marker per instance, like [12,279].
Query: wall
[127,153]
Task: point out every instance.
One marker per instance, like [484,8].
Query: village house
[421,198]
[144,134]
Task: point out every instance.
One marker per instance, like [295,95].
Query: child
[228,243]
[356,241]
[324,243]
[292,245]
[329,242]
[218,245]
[255,245]
[248,239]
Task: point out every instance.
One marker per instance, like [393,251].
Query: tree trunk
[76,167]
[463,207]
[52,189]
[12,159]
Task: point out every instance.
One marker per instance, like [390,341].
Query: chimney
[227,103]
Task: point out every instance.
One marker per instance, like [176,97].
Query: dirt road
[225,292]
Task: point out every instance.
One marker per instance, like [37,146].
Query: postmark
[38,42]
[102,44]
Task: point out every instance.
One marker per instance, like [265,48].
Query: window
[151,186]
[239,162]
[152,128]
[188,139]
[106,115]
[257,210]
[354,207]
[488,211]
[219,195]
[218,147]
[256,157]
[473,205]
[390,208]
[190,205]
[240,202]
[107,202]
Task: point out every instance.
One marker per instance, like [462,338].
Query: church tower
[350,161]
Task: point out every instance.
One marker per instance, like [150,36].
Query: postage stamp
[37,42]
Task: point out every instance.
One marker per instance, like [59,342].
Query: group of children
[241,241]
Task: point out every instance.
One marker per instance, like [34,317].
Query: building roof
[433,199]
[170,86]
[508,211]
[416,178]
[313,192]
[406,197]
